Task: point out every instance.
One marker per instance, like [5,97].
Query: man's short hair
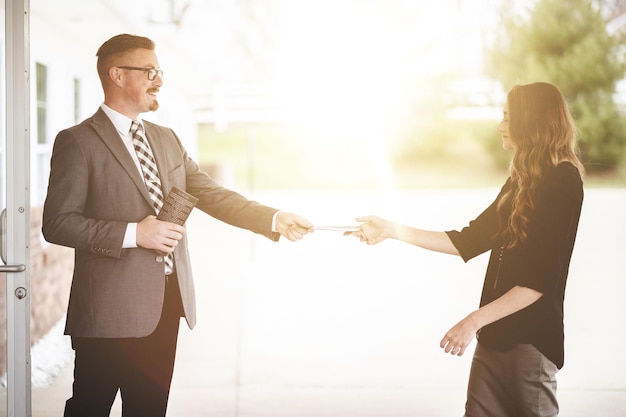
[117,46]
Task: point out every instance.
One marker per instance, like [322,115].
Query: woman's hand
[373,230]
[458,338]
[514,300]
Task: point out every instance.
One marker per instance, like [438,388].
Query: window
[76,100]
[42,102]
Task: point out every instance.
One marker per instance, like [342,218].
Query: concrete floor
[329,327]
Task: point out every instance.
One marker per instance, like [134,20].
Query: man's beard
[155,103]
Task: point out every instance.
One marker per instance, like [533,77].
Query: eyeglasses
[152,72]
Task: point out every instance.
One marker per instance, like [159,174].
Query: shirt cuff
[130,238]
[274,222]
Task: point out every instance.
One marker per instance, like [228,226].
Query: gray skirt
[518,383]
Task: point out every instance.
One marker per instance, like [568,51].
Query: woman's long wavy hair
[543,134]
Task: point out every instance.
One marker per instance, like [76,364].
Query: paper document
[338,228]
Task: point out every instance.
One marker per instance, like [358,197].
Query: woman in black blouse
[530,230]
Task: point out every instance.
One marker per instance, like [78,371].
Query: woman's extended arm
[376,229]
[459,337]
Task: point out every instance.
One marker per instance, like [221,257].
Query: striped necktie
[150,172]
[148,165]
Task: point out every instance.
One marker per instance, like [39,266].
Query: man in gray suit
[127,298]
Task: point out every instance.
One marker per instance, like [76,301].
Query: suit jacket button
[159,258]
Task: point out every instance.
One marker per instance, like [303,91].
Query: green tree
[566,42]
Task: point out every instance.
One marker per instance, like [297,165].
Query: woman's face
[503,128]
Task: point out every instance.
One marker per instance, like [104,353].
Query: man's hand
[292,226]
[158,235]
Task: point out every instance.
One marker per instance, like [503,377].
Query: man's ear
[116,75]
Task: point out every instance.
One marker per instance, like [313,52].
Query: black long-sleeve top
[541,262]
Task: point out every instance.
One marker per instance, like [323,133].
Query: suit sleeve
[224,204]
[65,219]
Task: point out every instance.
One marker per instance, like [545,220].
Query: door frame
[16,228]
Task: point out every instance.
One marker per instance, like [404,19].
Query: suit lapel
[108,134]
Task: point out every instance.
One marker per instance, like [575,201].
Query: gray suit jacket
[95,189]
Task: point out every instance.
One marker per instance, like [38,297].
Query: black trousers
[140,368]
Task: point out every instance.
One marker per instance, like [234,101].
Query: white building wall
[69,56]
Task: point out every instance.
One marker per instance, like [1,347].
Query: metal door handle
[3,235]
[12,268]
[3,246]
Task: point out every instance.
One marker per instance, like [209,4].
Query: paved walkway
[328,327]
